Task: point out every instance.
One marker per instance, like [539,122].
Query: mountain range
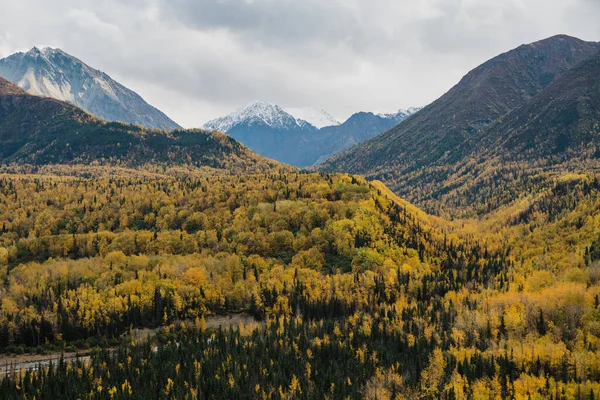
[507,122]
[54,73]
[301,137]
[516,118]
[298,136]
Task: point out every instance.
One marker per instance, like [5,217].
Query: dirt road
[14,363]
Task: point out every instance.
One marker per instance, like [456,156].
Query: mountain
[268,130]
[274,132]
[40,130]
[54,73]
[317,118]
[421,159]
[552,137]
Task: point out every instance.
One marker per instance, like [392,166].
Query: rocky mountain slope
[54,73]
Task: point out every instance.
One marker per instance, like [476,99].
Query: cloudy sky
[199,59]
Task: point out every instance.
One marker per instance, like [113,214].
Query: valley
[456,255]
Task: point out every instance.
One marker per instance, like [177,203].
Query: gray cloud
[287,22]
[198,59]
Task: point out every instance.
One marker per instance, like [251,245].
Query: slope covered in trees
[524,152]
[39,131]
[170,237]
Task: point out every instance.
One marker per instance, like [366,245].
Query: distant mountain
[54,73]
[421,159]
[274,132]
[268,130]
[40,130]
[317,118]
[399,115]
[358,128]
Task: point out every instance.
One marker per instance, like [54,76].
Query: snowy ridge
[257,113]
[53,73]
[400,115]
[317,118]
[46,74]
[413,110]
[260,113]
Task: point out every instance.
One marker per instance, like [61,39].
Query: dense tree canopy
[356,293]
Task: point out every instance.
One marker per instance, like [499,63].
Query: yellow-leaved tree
[431,377]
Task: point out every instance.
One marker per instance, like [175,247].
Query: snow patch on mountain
[399,115]
[317,118]
[413,110]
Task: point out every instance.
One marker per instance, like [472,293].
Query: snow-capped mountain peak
[34,51]
[53,73]
[317,118]
[299,136]
[257,113]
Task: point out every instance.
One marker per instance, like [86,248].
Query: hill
[54,73]
[38,130]
[312,250]
[554,134]
[560,123]
[347,284]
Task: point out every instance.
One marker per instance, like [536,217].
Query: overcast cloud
[200,59]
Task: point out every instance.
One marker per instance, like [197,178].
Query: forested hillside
[335,268]
[498,134]
[40,131]
[523,153]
